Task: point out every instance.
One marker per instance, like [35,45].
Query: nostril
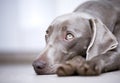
[39,64]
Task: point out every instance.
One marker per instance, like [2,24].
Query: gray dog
[91,31]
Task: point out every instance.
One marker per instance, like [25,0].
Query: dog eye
[69,36]
[46,36]
[47,32]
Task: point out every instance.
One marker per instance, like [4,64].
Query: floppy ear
[102,39]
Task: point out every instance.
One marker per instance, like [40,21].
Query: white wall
[23,22]
[67,6]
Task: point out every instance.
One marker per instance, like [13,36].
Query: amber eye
[69,36]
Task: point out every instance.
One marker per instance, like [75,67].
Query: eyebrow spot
[64,28]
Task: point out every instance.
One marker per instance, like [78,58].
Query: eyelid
[69,36]
[76,35]
[71,33]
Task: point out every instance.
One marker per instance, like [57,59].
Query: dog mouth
[48,70]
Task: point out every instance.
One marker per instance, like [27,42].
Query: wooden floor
[24,73]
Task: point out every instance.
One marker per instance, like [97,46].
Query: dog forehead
[61,20]
[65,17]
[69,19]
[73,22]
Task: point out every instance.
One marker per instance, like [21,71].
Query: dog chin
[46,71]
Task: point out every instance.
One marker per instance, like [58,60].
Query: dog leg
[103,63]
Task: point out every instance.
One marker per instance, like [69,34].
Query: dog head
[72,35]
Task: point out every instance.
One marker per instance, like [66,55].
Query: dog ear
[102,39]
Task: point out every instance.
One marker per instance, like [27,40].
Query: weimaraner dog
[84,42]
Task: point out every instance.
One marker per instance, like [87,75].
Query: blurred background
[22,28]
[23,24]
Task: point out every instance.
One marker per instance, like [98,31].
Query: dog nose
[39,65]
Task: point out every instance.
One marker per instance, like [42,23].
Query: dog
[91,33]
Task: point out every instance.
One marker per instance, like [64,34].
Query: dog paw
[89,69]
[69,67]
[65,69]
